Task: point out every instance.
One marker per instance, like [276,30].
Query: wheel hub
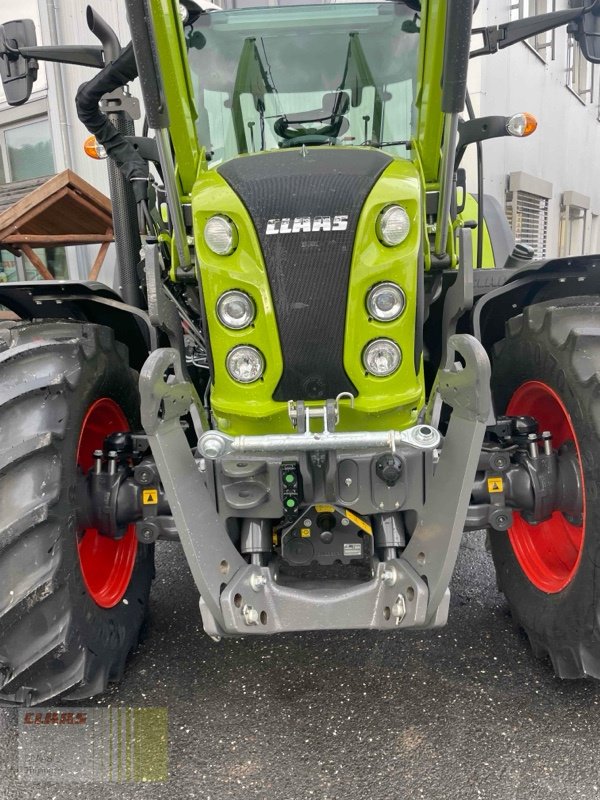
[106,563]
[549,551]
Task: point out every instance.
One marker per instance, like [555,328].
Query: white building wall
[71,26]
[564,150]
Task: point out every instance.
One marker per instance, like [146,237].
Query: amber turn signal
[93,149]
[523,124]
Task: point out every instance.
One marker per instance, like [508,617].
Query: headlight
[382,357]
[393,225]
[235,309]
[386,301]
[221,235]
[245,364]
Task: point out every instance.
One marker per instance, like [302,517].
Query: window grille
[528,217]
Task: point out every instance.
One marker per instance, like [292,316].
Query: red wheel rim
[549,552]
[106,564]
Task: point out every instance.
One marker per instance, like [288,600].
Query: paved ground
[465,712]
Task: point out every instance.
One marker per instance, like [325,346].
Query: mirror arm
[81,55]
[478,130]
[497,37]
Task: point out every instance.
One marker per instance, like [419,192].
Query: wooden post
[98,261]
[37,262]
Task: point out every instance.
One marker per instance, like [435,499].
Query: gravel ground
[463,712]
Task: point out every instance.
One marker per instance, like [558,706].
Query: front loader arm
[177,88]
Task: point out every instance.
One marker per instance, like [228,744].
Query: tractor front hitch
[238,598]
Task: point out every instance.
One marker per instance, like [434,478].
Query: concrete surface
[464,712]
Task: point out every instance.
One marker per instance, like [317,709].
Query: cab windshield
[293,75]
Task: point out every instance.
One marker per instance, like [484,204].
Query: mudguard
[83,300]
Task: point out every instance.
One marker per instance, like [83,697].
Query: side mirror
[18,72]
[587,30]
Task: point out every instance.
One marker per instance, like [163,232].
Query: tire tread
[572,327]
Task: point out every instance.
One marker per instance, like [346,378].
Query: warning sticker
[149,497]
[359,522]
[305,533]
[322,509]
[495,485]
[352,549]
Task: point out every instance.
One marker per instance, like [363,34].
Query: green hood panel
[381,402]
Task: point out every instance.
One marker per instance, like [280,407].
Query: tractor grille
[308,268]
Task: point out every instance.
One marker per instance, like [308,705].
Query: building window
[580,73]
[543,43]
[9,267]
[26,151]
[18,268]
[26,159]
[528,217]
[594,242]
[574,233]
[573,222]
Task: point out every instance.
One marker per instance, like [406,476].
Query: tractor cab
[284,76]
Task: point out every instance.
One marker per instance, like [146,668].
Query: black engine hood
[305,204]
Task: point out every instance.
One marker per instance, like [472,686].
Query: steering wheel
[309,138]
[320,126]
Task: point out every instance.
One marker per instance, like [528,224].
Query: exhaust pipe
[127,238]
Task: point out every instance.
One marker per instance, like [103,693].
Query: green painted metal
[373,262]
[382,402]
[177,85]
[430,124]
[237,408]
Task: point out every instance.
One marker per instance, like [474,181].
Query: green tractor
[308,377]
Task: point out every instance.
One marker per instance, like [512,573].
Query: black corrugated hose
[113,76]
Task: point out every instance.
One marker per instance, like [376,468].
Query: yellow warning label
[275,539]
[495,485]
[324,509]
[149,497]
[360,522]
[305,533]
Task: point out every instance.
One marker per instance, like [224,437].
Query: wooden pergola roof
[63,211]
[15,190]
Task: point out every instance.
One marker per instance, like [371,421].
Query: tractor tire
[548,366]
[72,602]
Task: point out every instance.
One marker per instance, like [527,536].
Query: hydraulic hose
[128,172]
[113,76]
